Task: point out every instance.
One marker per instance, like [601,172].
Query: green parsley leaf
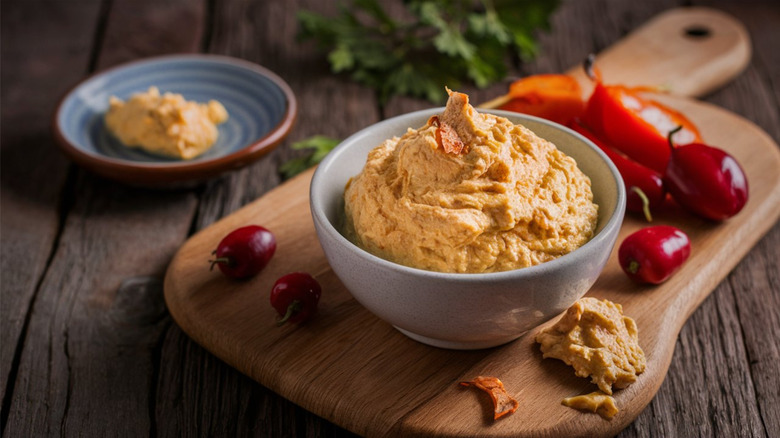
[437,43]
[320,147]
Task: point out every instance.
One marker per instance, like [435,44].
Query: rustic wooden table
[88,347]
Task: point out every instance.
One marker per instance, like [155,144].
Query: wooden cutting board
[357,371]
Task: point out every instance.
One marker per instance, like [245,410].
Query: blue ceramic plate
[260,105]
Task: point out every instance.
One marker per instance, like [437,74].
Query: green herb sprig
[442,43]
[319,145]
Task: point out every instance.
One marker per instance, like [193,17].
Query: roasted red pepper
[295,297]
[636,126]
[653,254]
[553,97]
[644,186]
[706,181]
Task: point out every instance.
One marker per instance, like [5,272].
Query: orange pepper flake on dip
[503,403]
[447,138]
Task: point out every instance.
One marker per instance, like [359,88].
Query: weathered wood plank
[754,284]
[42,55]
[143,29]
[201,396]
[89,353]
[99,359]
[708,390]
[583,27]
[601,38]
[88,362]
[756,287]
[674,410]
[261,32]
[264,32]
[721,359]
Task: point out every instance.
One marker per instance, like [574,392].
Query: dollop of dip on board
[469,193]
[165,124]
[596,402]
[599,342]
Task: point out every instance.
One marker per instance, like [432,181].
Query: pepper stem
[589,65]
[633,266]
[292,309]
[645,202]
[225,260]
[671,133]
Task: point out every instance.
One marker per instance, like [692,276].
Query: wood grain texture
[30,216]
[353,376]
[87,361]
[688,52]
[190,392]
[260,32]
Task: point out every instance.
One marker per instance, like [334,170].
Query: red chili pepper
[653,254]
[706,181]
[636,126]
[295,297]
[644,186]
[245,251]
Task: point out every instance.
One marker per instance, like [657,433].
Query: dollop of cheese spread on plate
[596,339]
[469,192]
[166,124]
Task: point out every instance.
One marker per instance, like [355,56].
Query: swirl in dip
[469,193]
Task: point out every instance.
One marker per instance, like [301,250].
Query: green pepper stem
[225,260]
[588,64]
[671,133]
[292,309]
[645,202]
[633,266]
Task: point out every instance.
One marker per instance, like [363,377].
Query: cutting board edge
[672,322]
[243,363]
[762,220]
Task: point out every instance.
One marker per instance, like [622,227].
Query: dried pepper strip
[503,403]
[447,138]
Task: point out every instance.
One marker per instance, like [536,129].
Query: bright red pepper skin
[636,126]
[631,136]
[295,297]
[634,174]
[593,116]
[706,181]
[609,118]
[653,254]
[244,251]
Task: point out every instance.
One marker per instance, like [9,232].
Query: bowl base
[459,345]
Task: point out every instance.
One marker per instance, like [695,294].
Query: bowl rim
[318,211]
[178,171]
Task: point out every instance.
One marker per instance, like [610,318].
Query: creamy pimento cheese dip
[165,124]
[469,193]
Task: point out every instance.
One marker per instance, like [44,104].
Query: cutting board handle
[687,51]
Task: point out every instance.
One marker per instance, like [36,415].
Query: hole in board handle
[697,31]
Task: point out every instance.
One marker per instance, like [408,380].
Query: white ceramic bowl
[464,311]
